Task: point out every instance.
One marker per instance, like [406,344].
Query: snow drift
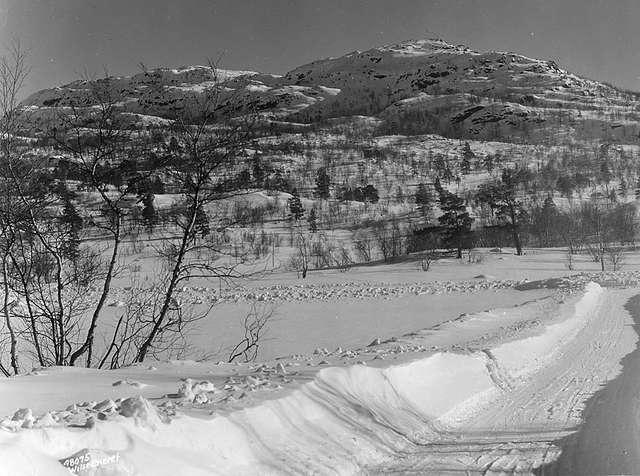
[344,420]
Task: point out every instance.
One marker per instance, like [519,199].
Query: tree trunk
[60,313]
[514,230]
[7,317]
[175,274]
[32,318]
[87,346]
[516,240]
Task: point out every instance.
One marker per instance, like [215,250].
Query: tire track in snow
[608,442]
[554,396]
[519,432]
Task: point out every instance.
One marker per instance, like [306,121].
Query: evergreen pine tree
[467,157]
[502,197]
[605,171]
[424,200]
[438,187]
[455,220]
[149,213]
[312,219]
[244,179]
[487,162]
[548,220]
[258,171]
[549,208]
[202,222]
[295,205]
[72,221]
[323,183]
[279,182]
[157,186]
[370,194]
[624,188]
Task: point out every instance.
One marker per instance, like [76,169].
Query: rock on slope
[453,89]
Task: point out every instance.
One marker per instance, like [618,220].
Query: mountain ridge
[433,86]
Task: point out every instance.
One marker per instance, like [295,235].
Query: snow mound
[142,412]
[525,356]
[196,392]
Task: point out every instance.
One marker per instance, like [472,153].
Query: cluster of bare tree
[56,284]
[506,214]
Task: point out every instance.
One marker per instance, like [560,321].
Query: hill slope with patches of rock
[415,87]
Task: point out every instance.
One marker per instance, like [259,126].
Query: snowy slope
[451,90]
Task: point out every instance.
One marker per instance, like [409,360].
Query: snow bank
[523,357]
[344,420]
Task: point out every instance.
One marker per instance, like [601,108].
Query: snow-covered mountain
[422,86]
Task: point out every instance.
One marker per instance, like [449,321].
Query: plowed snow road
[608,442]
[536,417]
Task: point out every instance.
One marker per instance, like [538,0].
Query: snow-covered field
[382,369]
[332,309]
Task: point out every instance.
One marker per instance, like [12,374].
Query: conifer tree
[201,225]
[424,200]
[149,213]
[467,157]
[312,219]
[323,183]
[72,220]
[455,220]
[295,205]
[502,197]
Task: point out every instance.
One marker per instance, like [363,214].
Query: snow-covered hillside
[446,89]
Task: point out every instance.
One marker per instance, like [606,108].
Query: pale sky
[596,38]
